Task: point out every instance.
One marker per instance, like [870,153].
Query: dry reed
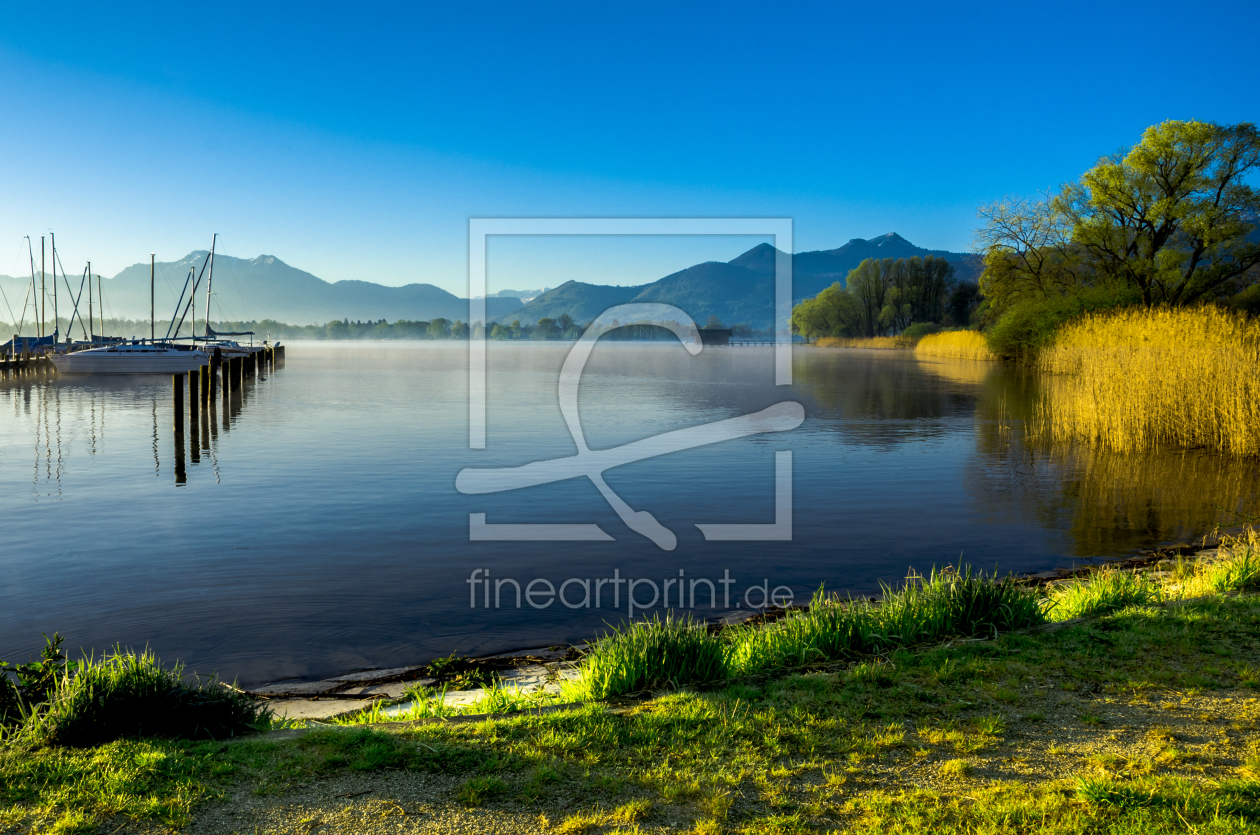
[879,342]
[1144,379]
[962,345]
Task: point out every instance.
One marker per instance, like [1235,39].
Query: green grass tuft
[945,604]
[651,654]
[477,790]
[126,694]
[1104,591]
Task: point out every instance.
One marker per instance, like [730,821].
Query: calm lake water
[321,530]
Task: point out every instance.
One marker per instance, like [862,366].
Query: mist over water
[321,530]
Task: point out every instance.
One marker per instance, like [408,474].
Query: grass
[1238,569]
[878,342]
[671,652]
[129,694]
[1102,592]
[944,604]
[932,740]
[1138,379]
[963,345]
[1142,720]
[653,654]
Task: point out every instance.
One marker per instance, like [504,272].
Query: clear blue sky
[355,141]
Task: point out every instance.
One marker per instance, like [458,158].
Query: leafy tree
[866,283]
[892,294]
[833,312]
[546,329]
[439,328]
[714,322]
[1172,219]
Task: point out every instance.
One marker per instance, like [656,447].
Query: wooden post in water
[177,381]
[194,409]
[206,386]
[212,388]
[225,370]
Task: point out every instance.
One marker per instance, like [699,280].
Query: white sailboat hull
[129,360]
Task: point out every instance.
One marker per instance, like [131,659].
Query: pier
[195,394]
[25,364]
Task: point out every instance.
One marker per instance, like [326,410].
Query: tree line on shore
[562,328]
[1170,222]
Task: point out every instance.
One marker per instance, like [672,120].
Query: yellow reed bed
[961,345]
[881,342]
[1144,379]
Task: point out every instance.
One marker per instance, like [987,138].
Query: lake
[322,531]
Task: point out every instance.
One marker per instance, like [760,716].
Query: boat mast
[43,293]
[91,312]
[210,282]
[152,330]
[56,314]
[100,295]
[31,253]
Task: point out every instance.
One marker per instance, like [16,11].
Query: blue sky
[355,141]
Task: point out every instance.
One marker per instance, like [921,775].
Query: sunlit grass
[1101,592]
[652,654]
[1236,568]
[963,345]
[1142,379]
[670,652]
[131,694]
[956,736]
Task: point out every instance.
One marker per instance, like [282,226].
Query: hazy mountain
[739,290]
[264,288]
[813,272]
[523,295]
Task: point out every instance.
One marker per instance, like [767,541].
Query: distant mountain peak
[760,259]
[890,238]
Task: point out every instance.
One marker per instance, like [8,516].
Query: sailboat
[130,358]
[137,357]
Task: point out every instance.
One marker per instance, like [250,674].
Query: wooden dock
[25,364]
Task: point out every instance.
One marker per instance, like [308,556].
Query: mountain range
[263,288]
[739,290]
[735,291]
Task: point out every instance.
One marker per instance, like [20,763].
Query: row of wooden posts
[205,383]
[24,363]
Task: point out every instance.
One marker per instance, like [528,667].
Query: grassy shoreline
[1141,718]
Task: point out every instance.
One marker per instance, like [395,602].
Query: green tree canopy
[1172,219]
[439,328]
[881,296]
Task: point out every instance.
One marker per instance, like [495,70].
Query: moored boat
[130,359]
